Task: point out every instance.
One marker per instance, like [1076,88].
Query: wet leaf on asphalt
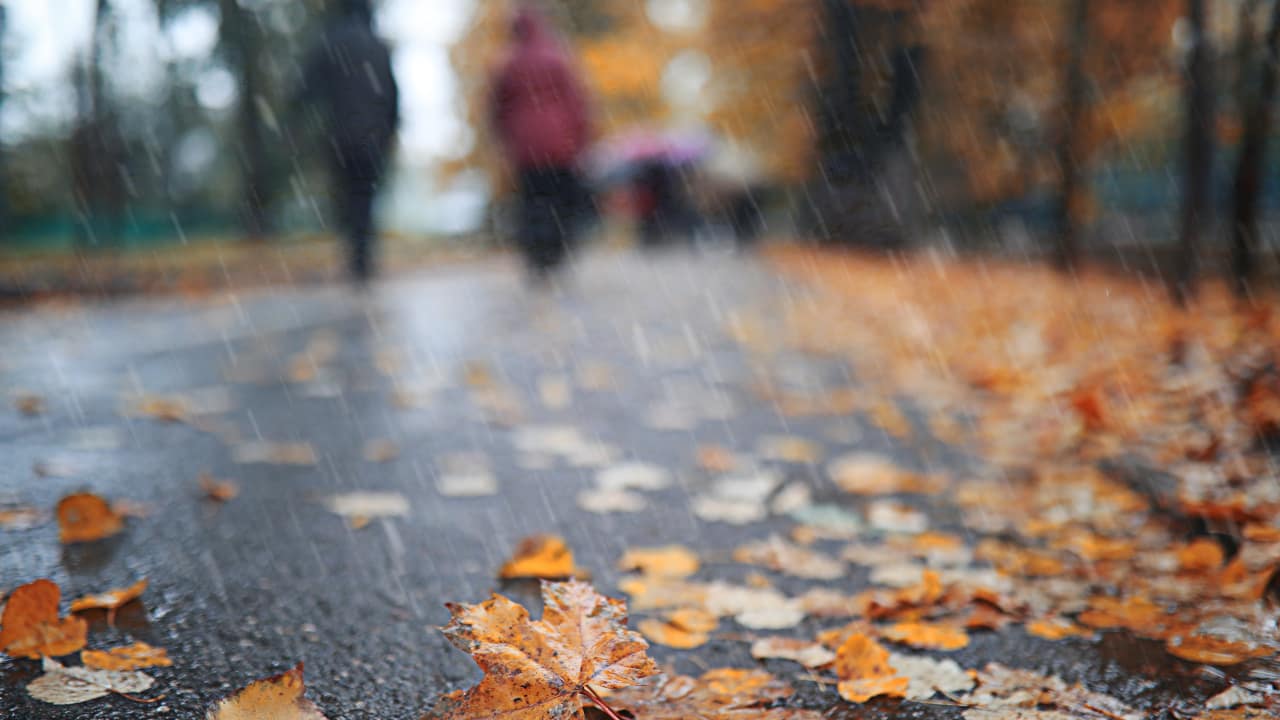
[20,518]
[85,517]
[128,657]
[361,507]
[111,599]
[28,404]
[718,693]
[218,490]
[275,453]
[279,697]
[862,666]
[60,685]
[540,556]
[540,669]
[675,561]
[806,652]
[926,636]
[683,629]
[380,450]
[866,473]
[30,626]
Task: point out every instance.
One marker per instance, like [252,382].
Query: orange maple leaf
[862,665]
[30,626]
[278,697]
[543,669]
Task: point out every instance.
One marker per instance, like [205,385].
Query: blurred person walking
[348,78]
[539,112]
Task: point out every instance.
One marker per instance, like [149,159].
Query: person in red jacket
[539,111]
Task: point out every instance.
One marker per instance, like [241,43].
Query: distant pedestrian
[539,111]
[348,77]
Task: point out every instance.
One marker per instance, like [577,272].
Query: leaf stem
[600,703]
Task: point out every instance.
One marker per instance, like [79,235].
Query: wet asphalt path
[249,588]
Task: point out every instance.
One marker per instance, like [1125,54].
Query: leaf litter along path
[788,432]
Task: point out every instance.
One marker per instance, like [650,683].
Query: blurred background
[1056,128]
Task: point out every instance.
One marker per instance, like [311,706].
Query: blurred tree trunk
[1073,100]
[241,37]
[95,140]
[1196,203]
[4,186]
[1253,149]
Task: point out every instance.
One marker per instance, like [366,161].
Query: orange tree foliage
[991,81]
[761,60]
[993,88]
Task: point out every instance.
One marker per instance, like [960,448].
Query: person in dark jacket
[539,112]
[348,78]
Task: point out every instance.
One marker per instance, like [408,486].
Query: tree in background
[1198,146]
[1069,150]
[1253,149]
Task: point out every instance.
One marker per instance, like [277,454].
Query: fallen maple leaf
[110,600]
[30,626]
[278,697]
[543,669]
[540,556]
[862,665]
[85,517]
[727,693]
[60,685]
[128,657]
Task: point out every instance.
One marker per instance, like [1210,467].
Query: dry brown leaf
[727,693]
[218,490]
[862,665]
[673,561]
[85,517]
[926,636]
[540,556]
[278,698]
[30,626]
[111,599]
[129,657]
[541,669]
